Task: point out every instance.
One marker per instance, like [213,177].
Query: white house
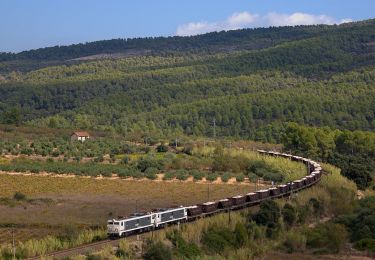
[80,136]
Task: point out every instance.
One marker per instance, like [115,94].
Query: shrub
[124,251]
[184,250]
[361,230]
[157,251]
[99,159]
[241,234]
[182,175]
[123,173]
[328,236]
[317,207]
[240,178]
[55,153]
[26,151]
[197,175]
[212,176]
[162,148]
[69,232]
[169,175]
[273,176]
[188,149]
[365,244]
[252,177]
[125,160]
[19,196]
[302,213]
[295,242]
[289,214]
[226,176]
[106,172]
[218,238]
[151,172]
[268,214]
[147,162]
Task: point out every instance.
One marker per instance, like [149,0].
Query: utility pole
[214,127]
[208,192]
[14,245]
[152,232]
[291,189]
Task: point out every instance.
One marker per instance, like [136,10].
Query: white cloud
[246,19]
[276,19]
[241,19]
[346,20]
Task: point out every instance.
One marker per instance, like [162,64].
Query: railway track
[83,249]
[96,246]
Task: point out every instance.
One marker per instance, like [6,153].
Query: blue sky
[30,24]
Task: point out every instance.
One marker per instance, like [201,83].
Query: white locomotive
[139,222]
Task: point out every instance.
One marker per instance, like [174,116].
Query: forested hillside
[248,84]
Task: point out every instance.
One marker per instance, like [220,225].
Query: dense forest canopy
[279,84]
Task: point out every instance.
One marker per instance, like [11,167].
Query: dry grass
[90,201]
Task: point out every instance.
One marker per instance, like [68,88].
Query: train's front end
[113,228]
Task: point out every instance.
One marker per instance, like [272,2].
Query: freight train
[155,219]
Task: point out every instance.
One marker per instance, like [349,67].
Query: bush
[240,178]
[328,236]
[123,173]
[365,244]
[268,214]
[226,176]
[157,251]
[241,234]
[99,159]
[273,176]
[197,175]
[162,148]
[218,238]
[212,176]
[147,162]
[151,172]
[70,232]
[261,169]
[295,242]
[169,176]
[317,207]
[27,151]
[19,196]
[125,160]
[184,250]
[289,214]
[124,251]
[188,149]
[252,177]
[55,153]
[182,175]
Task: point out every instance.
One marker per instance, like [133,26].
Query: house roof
[81,133]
